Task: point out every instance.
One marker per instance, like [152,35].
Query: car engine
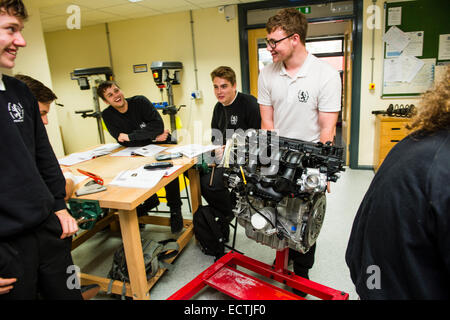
[279,185]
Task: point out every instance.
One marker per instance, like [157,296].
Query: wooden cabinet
[388,131]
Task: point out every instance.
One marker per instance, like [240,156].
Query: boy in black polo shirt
[135,122]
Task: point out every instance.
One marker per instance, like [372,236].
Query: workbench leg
[194,185]
[114,226]
[133,253]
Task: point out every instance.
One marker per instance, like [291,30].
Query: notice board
[411,70]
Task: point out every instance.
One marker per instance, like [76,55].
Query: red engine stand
[224,276]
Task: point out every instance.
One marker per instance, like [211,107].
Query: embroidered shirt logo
[142,125]
[303,96]
[233,120]
[16,111]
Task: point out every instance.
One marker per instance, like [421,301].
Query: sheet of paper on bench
[79,179]
[192,150]
[138,178]
[146,151]
[78,157]
[171,170]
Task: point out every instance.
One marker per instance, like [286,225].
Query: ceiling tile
[168,6]
[97,15]
[48,3]
[127,10]
[59,9]
[100,11]
[98,4]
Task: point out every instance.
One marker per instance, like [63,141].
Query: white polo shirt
[297,101]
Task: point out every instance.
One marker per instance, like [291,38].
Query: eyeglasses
[273,43]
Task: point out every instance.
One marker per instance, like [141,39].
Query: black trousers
[172,196]
[216,194]
[302,261]
[40,262]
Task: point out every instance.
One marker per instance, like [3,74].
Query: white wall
[32,60]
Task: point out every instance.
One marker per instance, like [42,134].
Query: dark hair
[225,73]
[14,7]
[291,21]
[103,86]
[39,90]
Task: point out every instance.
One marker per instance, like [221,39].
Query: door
[258,56]
[347,90]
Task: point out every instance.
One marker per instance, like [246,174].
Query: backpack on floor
[154,255]
[211,230]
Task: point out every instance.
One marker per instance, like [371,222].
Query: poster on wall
[421,82]
[413,48]
[395,16]
[444,47]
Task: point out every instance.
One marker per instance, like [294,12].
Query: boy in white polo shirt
[299,95]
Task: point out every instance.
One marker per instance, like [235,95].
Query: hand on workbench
[68,223]
[163,136]
[70,182]
[6,285]
[123,137]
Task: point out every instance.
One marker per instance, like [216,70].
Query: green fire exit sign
[304,10]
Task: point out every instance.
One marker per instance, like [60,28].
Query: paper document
[192,150]
[444,47]
[396,39]
[394,16]
[138,178]
[402,69]
[78,179]
[106,149]
[78,157]
[420,83]
[75,158]
[392,71]
[146,151]
[414,47]
[127,152]
[169,171]
[149,151]
[410,67]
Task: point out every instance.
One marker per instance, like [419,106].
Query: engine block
[279,185]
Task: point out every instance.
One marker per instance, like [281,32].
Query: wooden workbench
[124,201]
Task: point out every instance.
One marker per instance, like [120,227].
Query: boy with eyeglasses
[299,95]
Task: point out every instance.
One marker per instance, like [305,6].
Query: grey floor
[95,256]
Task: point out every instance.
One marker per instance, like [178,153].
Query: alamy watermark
[373,281]
[73,280]
[374,17]
[74,20]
